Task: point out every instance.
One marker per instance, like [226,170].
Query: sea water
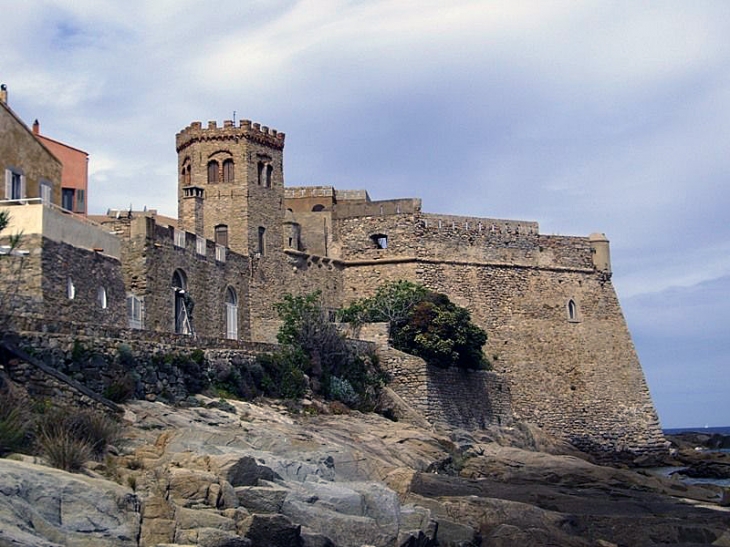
[667,471]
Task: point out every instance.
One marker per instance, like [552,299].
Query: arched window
[317,208]
[231,314]
[228,173]
[70,289]
[182,303]
[185,173]
[572,311]
[269,172]
[221,235]
[212,172]
[101,298]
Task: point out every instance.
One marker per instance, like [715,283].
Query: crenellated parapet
[246,129]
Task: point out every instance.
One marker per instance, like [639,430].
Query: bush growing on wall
[313,348]
[423,323]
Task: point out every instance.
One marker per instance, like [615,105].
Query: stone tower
[231,185]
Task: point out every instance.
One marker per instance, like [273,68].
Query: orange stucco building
[75,173]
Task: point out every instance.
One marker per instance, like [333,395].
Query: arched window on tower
[228,174]
[260,175]
[213,172]
[317,208]
[269,172]
[572,311]
[231,314]
[185,173]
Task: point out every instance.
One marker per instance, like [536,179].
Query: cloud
[592,116]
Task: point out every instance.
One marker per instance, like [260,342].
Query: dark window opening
[260,176]
[317,208]
[262,240]
[213,172]
[380,241]
[572,310]
[269,172]
[67,198]
[228,173]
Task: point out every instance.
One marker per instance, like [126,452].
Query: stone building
[561,351]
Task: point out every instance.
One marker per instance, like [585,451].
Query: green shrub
[122,388]
[341,390]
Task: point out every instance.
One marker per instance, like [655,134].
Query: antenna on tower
[234,117]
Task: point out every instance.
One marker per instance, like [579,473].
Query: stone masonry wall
[100,357]
[151,257]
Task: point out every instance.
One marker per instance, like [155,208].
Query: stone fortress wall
[560,348]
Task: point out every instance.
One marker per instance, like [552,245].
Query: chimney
[3,94]
[36,128]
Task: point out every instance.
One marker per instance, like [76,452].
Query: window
[262,240]
[380,241]
[221,235]
[182,303]
[220,253]
[134,311]
[260,172]
[14,184]
[200,245]
[70,289]
[178,237]
[45,192]
[269,172]
[231,314]
[101,298]
[317,208]
[80,201]
[228,172]
[572,311]
[67,198]
[213,172]
[185,173]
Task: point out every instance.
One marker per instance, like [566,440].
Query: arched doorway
[181,303]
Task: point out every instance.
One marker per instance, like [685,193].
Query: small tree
[312,345]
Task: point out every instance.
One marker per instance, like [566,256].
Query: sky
[592,116]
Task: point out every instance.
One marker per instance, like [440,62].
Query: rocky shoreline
[243,474]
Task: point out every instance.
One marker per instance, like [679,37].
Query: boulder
[41,506]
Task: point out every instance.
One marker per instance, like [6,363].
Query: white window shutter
[22,186]
[8,183]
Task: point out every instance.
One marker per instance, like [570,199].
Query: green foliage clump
[314,355]
[424,323]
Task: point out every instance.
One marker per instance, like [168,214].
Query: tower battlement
[246,129]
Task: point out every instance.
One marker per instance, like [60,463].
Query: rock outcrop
[264,476]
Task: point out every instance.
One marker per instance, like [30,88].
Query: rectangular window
[134,311]
[14,185]
[220,253]
[200,245]
[80,201]
[179,237]
[67,198]
[45,192]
